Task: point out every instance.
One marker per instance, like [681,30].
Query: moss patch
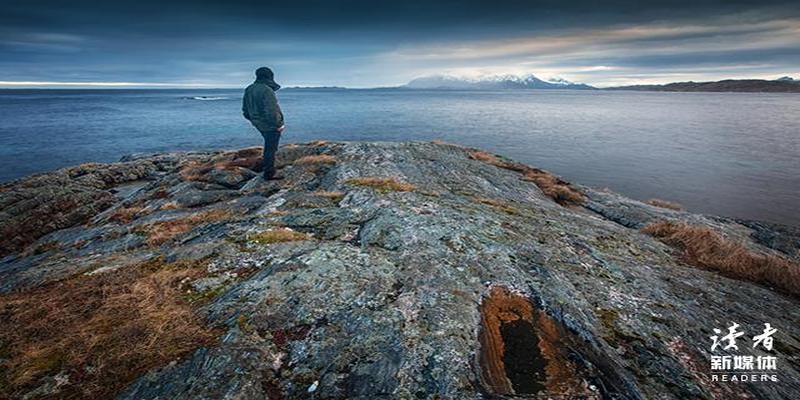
[382,184]
[278,236]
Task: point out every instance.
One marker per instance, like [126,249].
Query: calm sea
[731,154]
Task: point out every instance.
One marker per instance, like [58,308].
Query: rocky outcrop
[395,270]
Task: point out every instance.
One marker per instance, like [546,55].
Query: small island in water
[374,268]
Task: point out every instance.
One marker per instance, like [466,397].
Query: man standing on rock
[260,107]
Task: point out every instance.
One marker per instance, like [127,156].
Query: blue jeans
[271,139]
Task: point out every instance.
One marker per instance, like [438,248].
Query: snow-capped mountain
[492,82]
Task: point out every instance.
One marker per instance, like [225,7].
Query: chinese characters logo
[743,367]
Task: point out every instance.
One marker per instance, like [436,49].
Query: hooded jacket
[260,106]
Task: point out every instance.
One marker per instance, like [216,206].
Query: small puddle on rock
[525,352]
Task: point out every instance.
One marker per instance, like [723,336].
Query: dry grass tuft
[382,184]
[163,231]
[125,215]
[334,196]
[558,190]
[103,330]
[159,194]
[499,204]
[706,248]
[484,156]
[194,170]
[442,142]
[665,204]
[170,206]
[250,158]
[553,187]
[281,235]
[319,159]
[495,160]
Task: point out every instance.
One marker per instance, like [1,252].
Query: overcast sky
[358,43]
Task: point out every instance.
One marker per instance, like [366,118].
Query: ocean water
[733,154]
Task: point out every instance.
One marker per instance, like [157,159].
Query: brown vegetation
[250,158]
[498,204]
[124,215]
[159,194]
[382,184]
[194,170]
[333,196]
[706,248]
[317,159]
[163,231]
[555,188]
[99,331]
[492,159]
[442,142]
[665,204]
[278,236]
[170,206]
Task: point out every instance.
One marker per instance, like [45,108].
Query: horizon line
[163,85]
[26,84]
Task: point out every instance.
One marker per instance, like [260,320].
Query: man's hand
[280,130]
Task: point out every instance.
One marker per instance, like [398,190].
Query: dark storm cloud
[357,42]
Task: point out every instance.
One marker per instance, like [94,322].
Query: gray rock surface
[398,293]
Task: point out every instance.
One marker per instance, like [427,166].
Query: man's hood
[269,82]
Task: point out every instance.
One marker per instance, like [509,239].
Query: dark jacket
[260,106]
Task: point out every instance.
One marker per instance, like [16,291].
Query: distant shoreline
[727,86]
[402,89]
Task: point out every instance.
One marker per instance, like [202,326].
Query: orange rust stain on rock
[502,306]
[561,373]
[538,347]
